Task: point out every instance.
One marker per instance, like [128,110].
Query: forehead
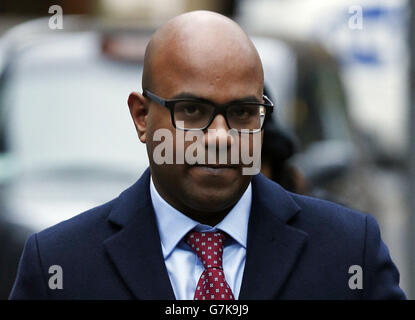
[210,65]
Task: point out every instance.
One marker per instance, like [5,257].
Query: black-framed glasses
[198,114]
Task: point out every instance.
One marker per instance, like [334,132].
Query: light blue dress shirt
[183,266]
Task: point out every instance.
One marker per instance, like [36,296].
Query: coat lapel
[135,249]
[273,246]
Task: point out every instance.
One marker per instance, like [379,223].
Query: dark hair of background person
[277,148]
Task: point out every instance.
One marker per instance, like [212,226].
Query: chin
[212,199]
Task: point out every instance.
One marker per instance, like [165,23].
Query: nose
[217,135]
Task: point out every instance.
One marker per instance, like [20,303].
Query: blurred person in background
[277,149]
[144,244]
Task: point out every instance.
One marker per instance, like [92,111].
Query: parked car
[69,143]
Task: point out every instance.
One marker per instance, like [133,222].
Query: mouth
[214,176]
[215,170]
[217,166]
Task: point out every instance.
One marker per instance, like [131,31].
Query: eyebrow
[188,95]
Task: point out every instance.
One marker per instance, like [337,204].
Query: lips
[214,175]
[215,170]
[217,166]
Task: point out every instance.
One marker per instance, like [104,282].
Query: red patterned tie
[208,246]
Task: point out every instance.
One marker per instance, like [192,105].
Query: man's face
[219,73]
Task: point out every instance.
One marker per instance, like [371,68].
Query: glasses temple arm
[153,97]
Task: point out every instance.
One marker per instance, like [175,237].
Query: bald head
[199,43]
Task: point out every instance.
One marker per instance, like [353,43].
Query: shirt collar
[168,219]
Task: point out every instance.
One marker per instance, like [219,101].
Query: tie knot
[208,246]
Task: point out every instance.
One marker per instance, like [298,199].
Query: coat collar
[273,246]
[136,249]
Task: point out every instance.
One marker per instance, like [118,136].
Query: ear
[139,112]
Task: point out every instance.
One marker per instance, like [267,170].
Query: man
[206,230]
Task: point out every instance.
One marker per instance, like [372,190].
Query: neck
[204,217]
[207,218]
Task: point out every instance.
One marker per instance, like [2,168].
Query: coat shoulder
[80,231]
[323,210]
[331,224]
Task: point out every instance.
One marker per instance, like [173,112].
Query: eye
[242,111]
[191,109]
